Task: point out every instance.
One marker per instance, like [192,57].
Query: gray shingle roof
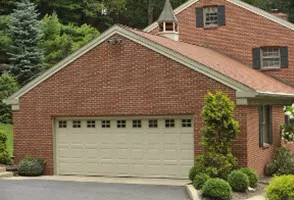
[167,14]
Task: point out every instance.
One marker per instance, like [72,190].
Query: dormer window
[210,16]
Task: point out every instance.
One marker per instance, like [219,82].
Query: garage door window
[62,124]
[105,124]
[76,124]
[121,123]
[169,123]
[153,123]
[137,124]
[186,123]
[91,124]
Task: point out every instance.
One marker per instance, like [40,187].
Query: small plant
[281,188]
[200,180]
[30,166]
[216,188]
[252,176]
[238,181]
[282,164]
[4,155]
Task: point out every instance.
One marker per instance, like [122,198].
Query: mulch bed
[260,189]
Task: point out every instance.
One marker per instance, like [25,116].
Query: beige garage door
[132,146]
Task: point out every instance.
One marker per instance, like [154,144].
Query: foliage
[269,169]
[61,40]
[7,129]
[252,176]
[216,188]
[25,56]
[5,42]
[200,180]
[281,188]
[4,155]
[8,86]
[238,180]
[220,130]
[283,163]
[31,166]
[288,129]
[197,168]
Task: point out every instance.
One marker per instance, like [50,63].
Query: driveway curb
[193,194]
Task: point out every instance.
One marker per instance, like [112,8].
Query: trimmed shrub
[5,157]
[252,176]
[281,188]
[216,188]
[238,181]
[200,180]
[30,166]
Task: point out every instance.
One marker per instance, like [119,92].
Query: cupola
[168,23]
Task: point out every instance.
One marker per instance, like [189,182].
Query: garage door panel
[130,151]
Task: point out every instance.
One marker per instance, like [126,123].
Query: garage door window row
[153,123]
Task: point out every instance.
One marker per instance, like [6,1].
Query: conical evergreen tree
[25,56]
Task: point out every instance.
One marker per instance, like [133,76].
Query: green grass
[7,128]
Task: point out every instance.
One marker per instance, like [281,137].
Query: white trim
[239,3]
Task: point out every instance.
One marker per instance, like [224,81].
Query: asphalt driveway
[59,190]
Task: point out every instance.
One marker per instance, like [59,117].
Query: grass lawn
[7,128]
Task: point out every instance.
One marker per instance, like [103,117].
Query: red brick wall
[243,31]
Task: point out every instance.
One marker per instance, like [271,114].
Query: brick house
[129,103]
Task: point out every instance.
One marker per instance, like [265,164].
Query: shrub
[238,181]
[283,162]
[281,188]
[269,169]
[4,155]
[197,168]
[252,176]
[30,166]
[216,188]
[200,180]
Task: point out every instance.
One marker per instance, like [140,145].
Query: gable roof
[167,14]
[239,3]
[203,60]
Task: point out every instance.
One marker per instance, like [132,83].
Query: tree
[25,56]
[220,130]
[8,85]
[5,42]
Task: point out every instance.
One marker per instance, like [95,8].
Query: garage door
[133,146]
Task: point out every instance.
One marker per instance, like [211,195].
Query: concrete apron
[139,181]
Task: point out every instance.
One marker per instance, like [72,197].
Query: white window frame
[91,124]
[262,57]
[76,124]
[137,123]
[121,123]
[205,12]
[105,124]
[62,124]
[186,123]
[170,123]
[153,123]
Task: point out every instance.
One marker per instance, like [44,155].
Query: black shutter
[256,58]
[270,128]
[199,17]
[260,111]
[284,57]
[221,16]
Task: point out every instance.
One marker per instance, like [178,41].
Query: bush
[197,168]
[5,157]
[283,162]
[30,166]
[252,176]
[216,188]
[281,188]
[269,169]
[238,181]
[200,180]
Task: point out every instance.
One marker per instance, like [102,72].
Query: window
[105,124]
[91,124]
[265,125]
[62,124]
[153,123]
[121,123]
[186,123]
[137,124]
[210,16]
[270,57]
[76,124]
[169,123]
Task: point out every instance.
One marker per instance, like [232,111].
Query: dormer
[168,23]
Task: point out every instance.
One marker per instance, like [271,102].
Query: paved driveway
[59,190]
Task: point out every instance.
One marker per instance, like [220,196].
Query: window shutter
[284,57]
[221,15]
[260,111]
[270,128]
[256,58]
[199,17]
